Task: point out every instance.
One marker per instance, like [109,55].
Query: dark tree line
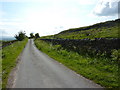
[34,36]
[22,35]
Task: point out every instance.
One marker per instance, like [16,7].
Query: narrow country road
[37,70]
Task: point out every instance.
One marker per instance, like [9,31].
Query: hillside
[108,29]
[87,51]
[7,38]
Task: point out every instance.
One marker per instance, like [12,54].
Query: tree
[31,35]
[37,35]
[21,36]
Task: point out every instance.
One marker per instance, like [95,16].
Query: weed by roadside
[9,56]
[97,69]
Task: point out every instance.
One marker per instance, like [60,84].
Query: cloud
[16,0]
[3,32]
[106,8]
[1,13]
[86,2]
[43,16]
[80,1]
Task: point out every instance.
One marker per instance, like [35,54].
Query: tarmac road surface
[37,70]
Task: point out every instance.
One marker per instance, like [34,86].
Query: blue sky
[48,17]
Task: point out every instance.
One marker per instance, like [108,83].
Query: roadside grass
[9,57]
[100,70]
[0,69]
[0,43]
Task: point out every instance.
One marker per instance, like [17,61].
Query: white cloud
[3,32]
[11,28]
[80,1]
[18,0]
[106,8]
[87,2]
[1,13]
[43,20]
[46,16]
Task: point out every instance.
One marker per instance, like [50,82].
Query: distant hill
[108,29]
[7,38]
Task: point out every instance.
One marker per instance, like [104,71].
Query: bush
[37,35]
[31,36]
[115,54]
[21,36]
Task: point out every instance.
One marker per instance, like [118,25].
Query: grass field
[107,29]
[111,32]
[100,70]
[9,57]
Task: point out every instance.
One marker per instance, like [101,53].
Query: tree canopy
[20,36]
[37,35]
[32,35]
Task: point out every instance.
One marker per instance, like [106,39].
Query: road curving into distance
[37,70]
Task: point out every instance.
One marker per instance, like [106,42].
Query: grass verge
[100,70]
[9,57]
[0,69]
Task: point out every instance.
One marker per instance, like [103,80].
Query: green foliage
[31,35]
[111,32]
[48,37]
[9,57]
[6,43]
[58,47]
[101,70]
[21,36]
[115,55]
[37,35]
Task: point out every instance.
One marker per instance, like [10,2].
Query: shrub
[21,36]
[115,54]
[31,35]
[37,35]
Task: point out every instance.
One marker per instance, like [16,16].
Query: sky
[48,17]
